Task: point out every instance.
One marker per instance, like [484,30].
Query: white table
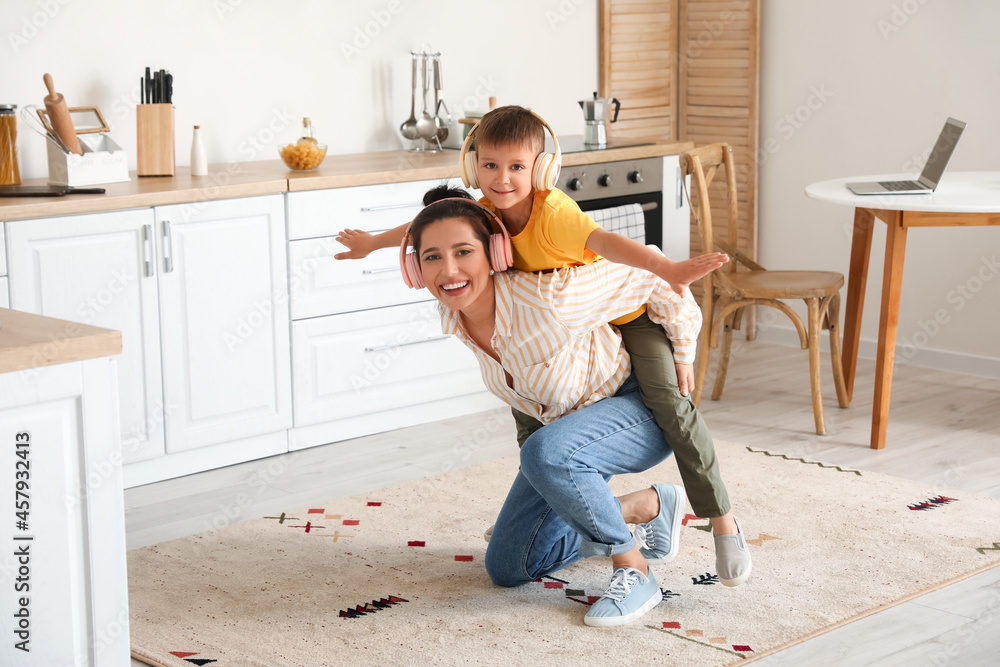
[962,199]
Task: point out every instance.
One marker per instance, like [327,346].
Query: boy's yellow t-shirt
[555,237]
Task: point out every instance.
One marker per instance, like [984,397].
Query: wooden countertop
[32,341]
[247,179]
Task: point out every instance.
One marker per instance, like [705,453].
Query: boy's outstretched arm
[623,250]
[360,244]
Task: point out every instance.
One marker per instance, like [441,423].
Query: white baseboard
[941,360]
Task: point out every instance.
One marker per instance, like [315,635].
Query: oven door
[652,210]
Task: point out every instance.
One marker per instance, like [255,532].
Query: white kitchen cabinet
[368,354]
[376,370]
[199,292]
[224,306]
[99,269]
[63,570]
[4,294]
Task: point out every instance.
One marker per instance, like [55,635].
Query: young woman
[545,347]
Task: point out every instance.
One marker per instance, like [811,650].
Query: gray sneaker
[732,557]
[659,539]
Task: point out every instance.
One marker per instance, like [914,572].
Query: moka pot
[595,113]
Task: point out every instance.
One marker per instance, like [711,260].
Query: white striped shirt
[552,334]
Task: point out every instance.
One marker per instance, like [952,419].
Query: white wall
[244,68]
[881,74]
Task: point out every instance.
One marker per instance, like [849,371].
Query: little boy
[548,231]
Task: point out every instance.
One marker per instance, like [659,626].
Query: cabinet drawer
[322,285]
[3,253]
[345,366]
[368,207]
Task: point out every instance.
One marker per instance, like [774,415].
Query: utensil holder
[155,139]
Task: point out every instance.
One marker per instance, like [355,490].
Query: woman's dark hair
[435,209]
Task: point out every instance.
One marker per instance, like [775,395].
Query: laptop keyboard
[896,186]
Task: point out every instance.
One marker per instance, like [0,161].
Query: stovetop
[574,144]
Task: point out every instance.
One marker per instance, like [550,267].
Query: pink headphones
[501,251]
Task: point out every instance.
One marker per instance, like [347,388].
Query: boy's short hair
[511,124]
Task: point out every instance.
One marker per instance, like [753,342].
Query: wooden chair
[742,282]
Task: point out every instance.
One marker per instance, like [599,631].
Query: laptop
[931,174]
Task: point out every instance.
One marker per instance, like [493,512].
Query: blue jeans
[560,508]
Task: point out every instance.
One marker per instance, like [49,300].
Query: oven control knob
[604,180]
[575,184]
[635,177]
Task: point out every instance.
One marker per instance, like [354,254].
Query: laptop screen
[941,153]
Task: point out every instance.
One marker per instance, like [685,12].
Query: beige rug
[395,576]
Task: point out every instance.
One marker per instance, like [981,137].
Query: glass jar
[9,174]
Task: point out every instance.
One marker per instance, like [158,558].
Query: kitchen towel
[627,220]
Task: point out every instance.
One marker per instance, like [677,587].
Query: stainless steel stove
[605,185]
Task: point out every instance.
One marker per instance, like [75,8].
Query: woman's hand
[359,244]
[685,378]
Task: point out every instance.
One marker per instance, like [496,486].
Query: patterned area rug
[395,576]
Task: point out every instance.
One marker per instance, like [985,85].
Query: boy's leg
[526,425]
[681,423]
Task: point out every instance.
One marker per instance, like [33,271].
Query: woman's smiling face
[455,265]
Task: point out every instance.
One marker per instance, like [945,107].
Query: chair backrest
[702,164]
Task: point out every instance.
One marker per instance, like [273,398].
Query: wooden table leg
[857,278]
[892,281]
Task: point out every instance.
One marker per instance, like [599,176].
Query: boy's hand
[685,378]
[359,244]
[682,274]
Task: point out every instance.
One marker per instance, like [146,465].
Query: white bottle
[199,162]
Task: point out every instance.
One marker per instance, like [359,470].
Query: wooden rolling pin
[62,124]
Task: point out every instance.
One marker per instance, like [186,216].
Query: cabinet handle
[147,249]
[390,346]
[387,207]
[384,269]
[168,248]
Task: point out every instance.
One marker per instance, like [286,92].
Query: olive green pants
[683,428]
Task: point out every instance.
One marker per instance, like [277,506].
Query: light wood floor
[944,428]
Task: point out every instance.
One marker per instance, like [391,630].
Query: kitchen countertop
[32,341]
[247,179]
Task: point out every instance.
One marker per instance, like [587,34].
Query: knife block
[155,139]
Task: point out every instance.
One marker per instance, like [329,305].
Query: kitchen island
[63,589]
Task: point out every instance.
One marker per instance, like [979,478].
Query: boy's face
[504,173]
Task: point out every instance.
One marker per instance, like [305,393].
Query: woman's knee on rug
[503,569]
